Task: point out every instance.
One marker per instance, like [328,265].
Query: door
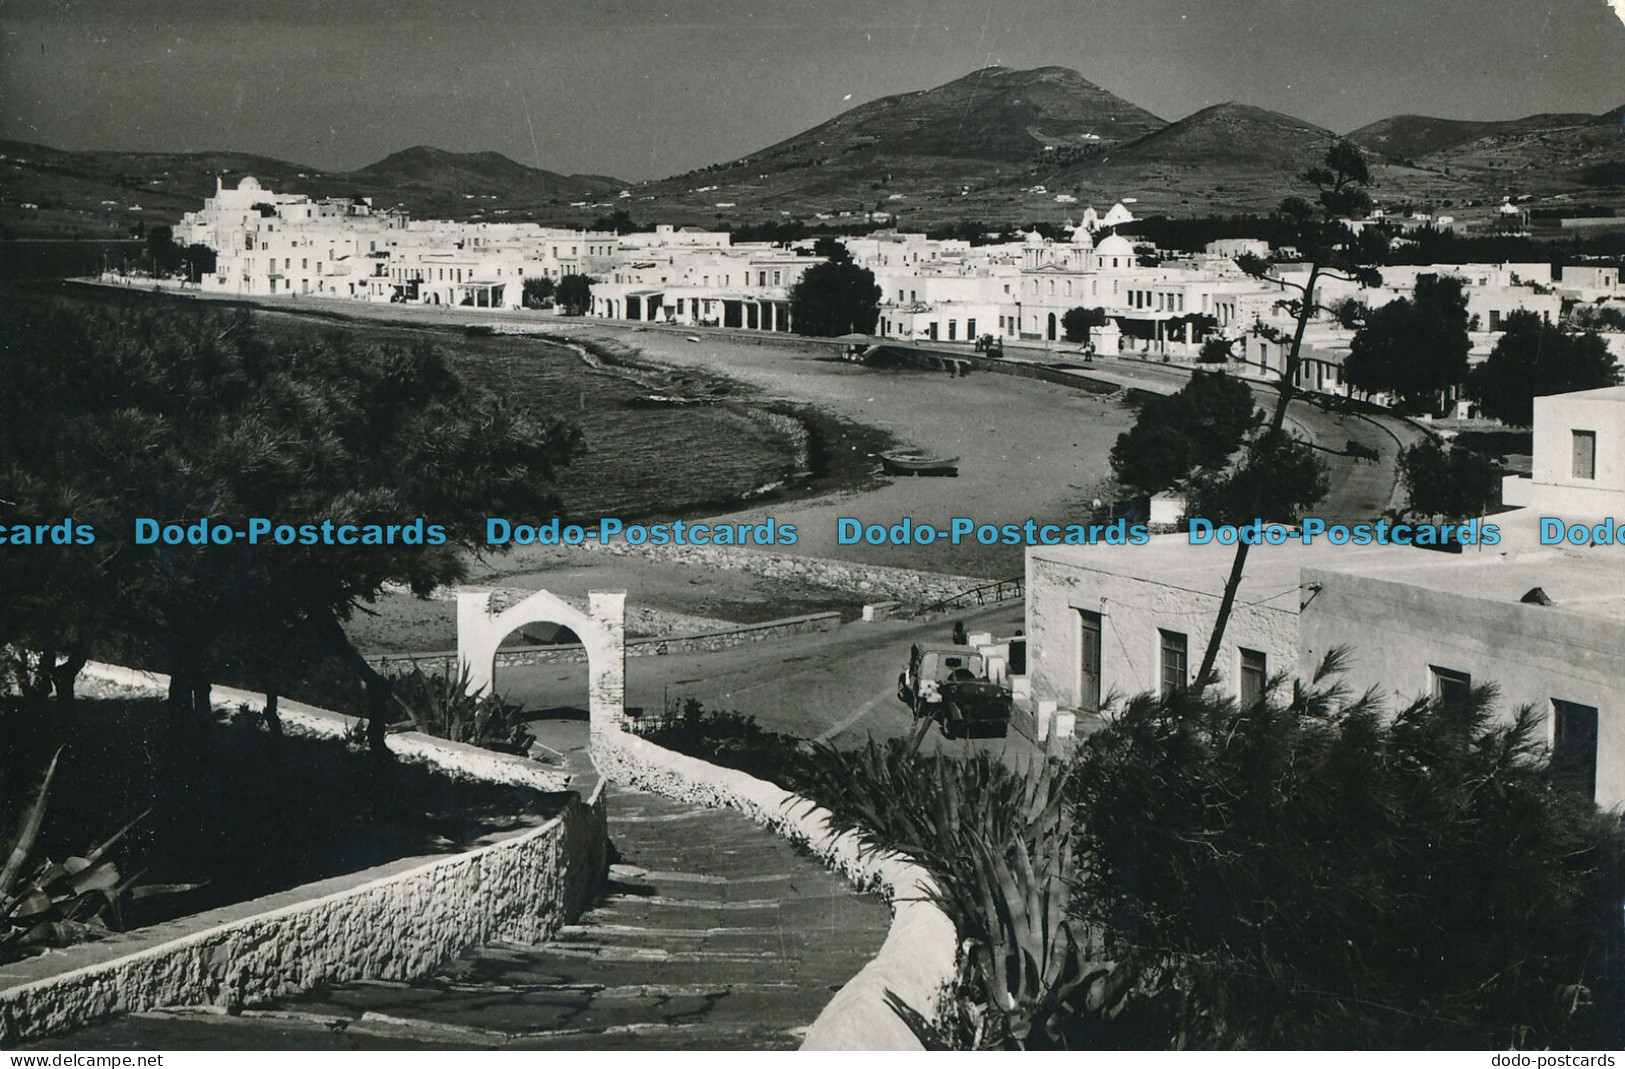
[1052,326]
[1089,661]
[1585,454]
[1574,745]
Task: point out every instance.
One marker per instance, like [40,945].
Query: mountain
[987,131]
[51,192]
[1405,137]
[1540,155]
[1233,135]
[995,114]
[1224,158]
[442,172]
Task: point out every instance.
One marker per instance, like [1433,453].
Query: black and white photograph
[727,525]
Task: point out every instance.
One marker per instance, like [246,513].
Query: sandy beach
[1026,449]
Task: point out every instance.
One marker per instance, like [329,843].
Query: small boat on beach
[916,463]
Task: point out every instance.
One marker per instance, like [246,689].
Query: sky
[639,89]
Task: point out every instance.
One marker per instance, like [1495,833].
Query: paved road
[838,685]
[714,935]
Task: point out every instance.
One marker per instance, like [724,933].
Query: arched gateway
[602,630]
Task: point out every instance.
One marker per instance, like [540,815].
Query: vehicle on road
[949,684]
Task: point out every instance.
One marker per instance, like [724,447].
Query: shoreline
[1026,448]
[813,433]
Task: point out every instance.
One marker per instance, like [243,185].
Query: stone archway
[602,630]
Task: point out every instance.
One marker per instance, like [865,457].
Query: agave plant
[439,704]
[998,841]
[44,903]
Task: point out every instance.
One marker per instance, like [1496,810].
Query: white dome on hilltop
[248,184]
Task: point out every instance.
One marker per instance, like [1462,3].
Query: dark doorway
[1089,662]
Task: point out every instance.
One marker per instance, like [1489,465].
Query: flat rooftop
[1589,580]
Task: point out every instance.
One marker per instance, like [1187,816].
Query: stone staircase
[713,934]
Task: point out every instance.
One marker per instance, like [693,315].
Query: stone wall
[871,582]
[392,922]
[916,963]
[454,759]
[575,653]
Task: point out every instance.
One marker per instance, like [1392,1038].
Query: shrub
[1000,845]
[441,705]
[48,904]
[1308,873]
[729,739]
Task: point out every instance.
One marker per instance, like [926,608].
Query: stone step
[713,934]
[686,1036]
[627,971]
[827,912]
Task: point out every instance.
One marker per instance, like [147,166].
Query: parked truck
[950,684]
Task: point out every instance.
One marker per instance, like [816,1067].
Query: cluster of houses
[1152,305]
[290,245]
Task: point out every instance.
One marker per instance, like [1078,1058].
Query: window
[1574,746]
[1585,454]
[1252,677]
[776,276]
[1450,685]
[1175,661]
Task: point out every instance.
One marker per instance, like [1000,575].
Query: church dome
[1115,245]
[249,184]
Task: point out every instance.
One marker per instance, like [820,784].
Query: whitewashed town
[1157,305]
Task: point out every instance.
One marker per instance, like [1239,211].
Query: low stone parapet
[395,921]
[575,653]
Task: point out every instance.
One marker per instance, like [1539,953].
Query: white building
[284,244]
[1543,620]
